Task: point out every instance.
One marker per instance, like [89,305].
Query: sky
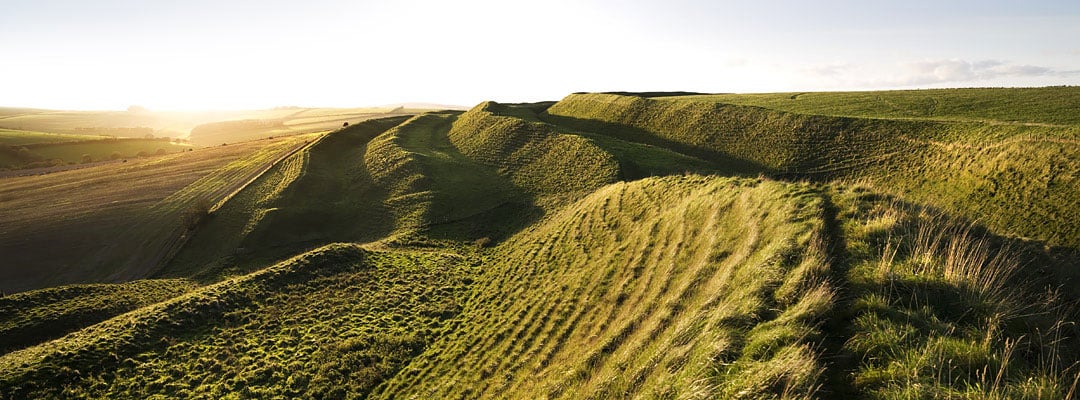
[232,54]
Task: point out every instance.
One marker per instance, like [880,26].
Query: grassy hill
[34,317]
[332,321]
[620,245]
[1016,178]
[318,195]
[723,285]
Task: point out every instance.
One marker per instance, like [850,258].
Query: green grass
[534,155]
[331,323]
[19,138]
[1017,179]
[603,246]
[438,192]
[1046,105]
[277,215]
[115,222]
[614,296]
[942,310]
[34,317]
[87,150]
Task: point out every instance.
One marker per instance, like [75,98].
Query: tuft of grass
[943,310]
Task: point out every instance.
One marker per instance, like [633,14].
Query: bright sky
[207,54]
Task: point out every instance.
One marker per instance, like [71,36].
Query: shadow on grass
[723,163]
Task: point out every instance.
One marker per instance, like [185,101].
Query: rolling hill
[876,245]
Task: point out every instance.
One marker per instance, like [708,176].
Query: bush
[196,214]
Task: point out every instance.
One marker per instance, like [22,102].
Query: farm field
[294,121]
[11,137]
[93,224]
[202,128]
[85,151]
[864,245]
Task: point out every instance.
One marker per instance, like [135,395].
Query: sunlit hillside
[865,245]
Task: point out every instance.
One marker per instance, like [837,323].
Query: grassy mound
[438,190]
[37,316]
[332,323]
[1016,178]
[715,293]
[534,155]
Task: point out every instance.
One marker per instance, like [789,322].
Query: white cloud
[833,70]
[959,71]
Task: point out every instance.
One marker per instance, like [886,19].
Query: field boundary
[179,238]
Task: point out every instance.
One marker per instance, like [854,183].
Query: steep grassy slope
[114,222]
[1018,179]
[37,316]
[533,154]
[331,323]
[715,293]
[438,190]
[319,195]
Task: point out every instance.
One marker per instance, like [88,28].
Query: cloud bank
[928,73]
[959,71]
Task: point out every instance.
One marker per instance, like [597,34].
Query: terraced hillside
[616,297]
[604,246]
[1016,178]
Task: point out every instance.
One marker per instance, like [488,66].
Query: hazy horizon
[208,55]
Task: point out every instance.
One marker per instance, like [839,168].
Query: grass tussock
[942,310]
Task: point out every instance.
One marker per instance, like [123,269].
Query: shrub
[196,214]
